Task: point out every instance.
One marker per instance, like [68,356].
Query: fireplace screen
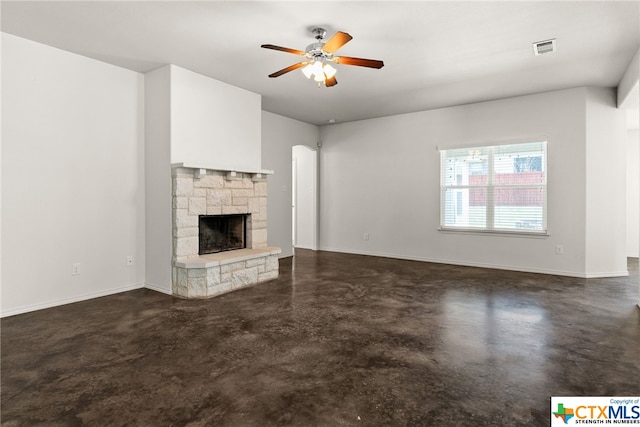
[221,233]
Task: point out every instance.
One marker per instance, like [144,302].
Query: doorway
[304,193]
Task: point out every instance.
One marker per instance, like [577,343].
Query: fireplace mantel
[227,170]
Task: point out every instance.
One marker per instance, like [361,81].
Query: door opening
[304,193]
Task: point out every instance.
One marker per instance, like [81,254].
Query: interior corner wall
[72,177]
[633,193]
[628,86]
[279,135]
[190,118]
[381,177]
[606,179]
[158,233]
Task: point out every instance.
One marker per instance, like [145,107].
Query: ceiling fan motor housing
[314,51]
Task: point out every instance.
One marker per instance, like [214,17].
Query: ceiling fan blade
[360,62]
[283,49]
[330,81]
[286,70]
[336,41]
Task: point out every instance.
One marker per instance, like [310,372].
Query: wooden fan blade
[336,41]
[330,81]
[360,62]
[286,70]
[283,49]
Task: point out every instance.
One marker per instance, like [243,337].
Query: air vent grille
[545,46]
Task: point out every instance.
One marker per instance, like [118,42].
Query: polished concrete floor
[337,340]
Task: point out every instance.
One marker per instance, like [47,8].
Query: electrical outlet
[559,249]
[75,269]
[366,236]
[130,260]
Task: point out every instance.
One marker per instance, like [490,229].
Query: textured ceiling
[436,54]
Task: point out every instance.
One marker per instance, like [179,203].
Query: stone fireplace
[219,231]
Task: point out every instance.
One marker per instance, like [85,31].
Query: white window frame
[490,188]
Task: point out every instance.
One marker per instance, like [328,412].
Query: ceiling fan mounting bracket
[319,33]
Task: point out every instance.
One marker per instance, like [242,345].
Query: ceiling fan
[318,55]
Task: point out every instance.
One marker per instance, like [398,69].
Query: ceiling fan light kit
[318,56]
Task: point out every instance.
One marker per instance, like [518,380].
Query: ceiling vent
[545,46]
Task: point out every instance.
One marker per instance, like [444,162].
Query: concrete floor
[336,340]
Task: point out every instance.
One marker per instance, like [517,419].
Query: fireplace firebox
[218,233]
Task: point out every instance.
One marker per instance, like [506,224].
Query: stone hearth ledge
[209,275]
[228,257]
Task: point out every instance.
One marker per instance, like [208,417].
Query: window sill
[499,233]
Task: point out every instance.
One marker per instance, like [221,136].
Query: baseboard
[605,275]
[481,265]
[158,288]
[64,301]
[284,254]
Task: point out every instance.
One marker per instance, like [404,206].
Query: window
[500,188]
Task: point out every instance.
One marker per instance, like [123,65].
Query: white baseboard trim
[284,254]
[64,301]
[605,275]
[481,265]
[306,247]
[158,288]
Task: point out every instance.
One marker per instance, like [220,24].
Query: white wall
[72,177]
[158,237]
[606,182]
[279,135]
[213,123]
[381,177]
[633,193]
[306,195]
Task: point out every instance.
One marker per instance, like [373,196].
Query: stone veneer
[198,191]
